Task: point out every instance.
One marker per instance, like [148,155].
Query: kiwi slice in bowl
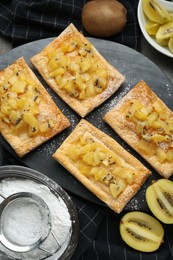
[141,231]
[170,44]
[164,33]
[159,197]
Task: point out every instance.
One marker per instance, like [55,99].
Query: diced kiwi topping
[98,162]
[76,69]
[19,104]
[154,125]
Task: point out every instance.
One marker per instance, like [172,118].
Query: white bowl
[142,19]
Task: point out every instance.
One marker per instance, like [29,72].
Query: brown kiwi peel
[104,18]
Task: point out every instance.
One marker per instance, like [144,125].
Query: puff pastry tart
[102,165]
[77,72]
[28,115]
[146,124]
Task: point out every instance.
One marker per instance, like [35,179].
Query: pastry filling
[19,104]
[76,69]
[153,125]
[98,162]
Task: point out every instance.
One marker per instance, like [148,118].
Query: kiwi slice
[164,32]
[155,11]
[159,198]
[170,44]
[141,231]
[152,28]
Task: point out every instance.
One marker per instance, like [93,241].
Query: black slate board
[130,63]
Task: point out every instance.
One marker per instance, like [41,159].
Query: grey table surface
[162,61]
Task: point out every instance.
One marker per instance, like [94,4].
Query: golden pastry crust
[28,116]
[148,129]
[82,106]
[124,160]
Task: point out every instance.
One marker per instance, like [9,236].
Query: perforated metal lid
[21,210]
[30,226]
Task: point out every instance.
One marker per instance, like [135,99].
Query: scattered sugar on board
[168,89]
[102,110]
[134,204]
[61,223]
[52,145]
[48,148]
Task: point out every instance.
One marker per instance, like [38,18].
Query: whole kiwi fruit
[104,18]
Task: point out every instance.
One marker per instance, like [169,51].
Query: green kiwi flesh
[141,231]
[159,197]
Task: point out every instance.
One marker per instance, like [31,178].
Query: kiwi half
[141,231]
[159,197]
